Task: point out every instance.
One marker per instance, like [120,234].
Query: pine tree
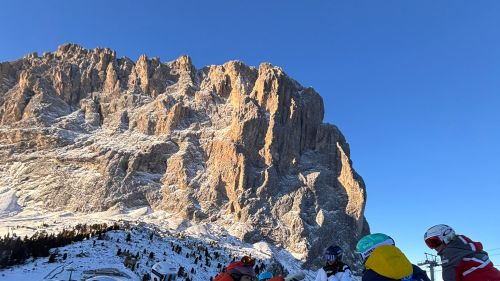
[180,272]
[52,258]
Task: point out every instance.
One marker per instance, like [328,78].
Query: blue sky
[413,85]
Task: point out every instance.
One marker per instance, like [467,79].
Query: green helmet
[370,242]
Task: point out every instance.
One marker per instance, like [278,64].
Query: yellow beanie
[390,262]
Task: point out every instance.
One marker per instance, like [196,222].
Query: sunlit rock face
[83,130]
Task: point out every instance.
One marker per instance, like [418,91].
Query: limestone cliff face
[84,130]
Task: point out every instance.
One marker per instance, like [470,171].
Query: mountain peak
[244,147]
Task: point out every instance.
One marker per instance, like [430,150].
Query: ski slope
[166,231]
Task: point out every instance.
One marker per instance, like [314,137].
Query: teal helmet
[370,242]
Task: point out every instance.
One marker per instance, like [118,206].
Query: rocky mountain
[243,147]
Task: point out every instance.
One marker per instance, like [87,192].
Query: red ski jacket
[464,260]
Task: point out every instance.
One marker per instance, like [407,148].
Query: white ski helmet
[439,234]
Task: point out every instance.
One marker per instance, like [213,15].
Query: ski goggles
[433,242]
[330,258]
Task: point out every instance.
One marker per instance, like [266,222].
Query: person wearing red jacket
[242,270]
[462,259]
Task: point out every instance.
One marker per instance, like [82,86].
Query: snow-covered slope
[150,232]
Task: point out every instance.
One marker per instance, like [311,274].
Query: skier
[238,271]
[462,259]
[384,261]
[334,269]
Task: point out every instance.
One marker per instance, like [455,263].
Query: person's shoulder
[321,275]
[417,269]
[419,274]
[321,272]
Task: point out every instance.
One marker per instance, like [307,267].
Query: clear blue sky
[413,85]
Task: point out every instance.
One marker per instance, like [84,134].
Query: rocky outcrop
[84,130]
